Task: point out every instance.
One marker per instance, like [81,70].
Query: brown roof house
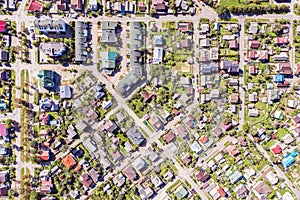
[156,122]
[130,173]
[241,192]
[261,190]
[202,176]
[76,5]
[234,98]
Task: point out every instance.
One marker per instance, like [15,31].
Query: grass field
[240,2]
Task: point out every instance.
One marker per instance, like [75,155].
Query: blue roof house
[288,161]
[279,78]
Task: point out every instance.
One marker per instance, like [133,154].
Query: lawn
[270,143]
[282,132]
[239,2]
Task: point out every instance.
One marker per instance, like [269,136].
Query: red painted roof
[175,111]
[2,26]
[35,6]
[169,137]
[221,192]
[69,161]
[3,130]
[45,155]
[276,149]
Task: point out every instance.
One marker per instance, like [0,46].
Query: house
[130,173]
[234,178]
[34,6]
[140,164]
[272,178]
[204,43]
[81,38]
[254,44]
[44,119]
[181,192]
[45,154]
[204,28]
[47,79]
[46,186]
[158,54]
[155,122]
[142,6]
[298,30]
[196,148]
[119,180]
[116,156]
[184,27]
[285,68]
[261,190]
[230,66]
[146,193]
[3,176]
[169,137]
[86,180]
[214,53]
[108,61]
[241,192]
[232,150]
[157,182]
[281,40]
[253,70]
[253,29]
[65,92]
[214,93]
[2,26]
[3,131]
[253,112]
[187,159]
[217,132]
[3,190]
[202,176]
[234,98]
[287,139]
[217,192]
[186,43]
[210,68]
[69,161]
[158,41]
[181,131]
[159,5]
[233,44]
[52,49]
[77,5]
[253,97]
[4,55]
[9,5]
[283,56]
[292,104]
[93,5]
[48,25]
[135,136]
[109,32]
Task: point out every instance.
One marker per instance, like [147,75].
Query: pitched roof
[202,176]
[169,136]
[2,26]
[3,131]
[35,6]
[69,161]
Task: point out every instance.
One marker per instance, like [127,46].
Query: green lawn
[239,2]
[282,132]
[270,143]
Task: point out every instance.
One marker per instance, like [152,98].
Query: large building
[53,49]
[109,61]
[47,26]
[81,35]
[109,32]
[129,82]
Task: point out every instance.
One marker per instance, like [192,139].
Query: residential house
[234,98]
[232,150]
[34,6]
[109,32]
[229,66]
[253,112]
[253,70]
[181,192]
[77,5]
[253,97]
[214,53]
[287,139]
[272,178]
[158,54]
[182,131]
[146,193]
[159,6]
[109,61]
[158,41]
[4,176]
[142,6]
[135,136]
[55,26]
[210,68]
[261,190]
[130,174]
[9,5]
[233,44]
[69,161]
[155,122]
[254,44]
[253,29]
[119,180]
[241,192]
[285,68]
[186,43]
[217,132]
[52,49]
[140,164]
[281,41]
[283,56]
[81,38]
[234,178]
[169,137]
[93,5]
[157,182]
[184,27]
[3,190]
[4,55]
[196,148]
[47,79]
[65,92]
[205,43]
[202,176]
[204,28]
[86,180]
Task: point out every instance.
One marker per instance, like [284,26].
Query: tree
[34,195]
[222,10]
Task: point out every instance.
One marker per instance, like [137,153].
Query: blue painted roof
[279,78]
[287,161]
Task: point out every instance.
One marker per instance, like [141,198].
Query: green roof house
[47,79]
[109,61]
[181,192]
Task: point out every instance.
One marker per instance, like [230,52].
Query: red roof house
[253,70]
[254,44]
[252,54]
[44,118]
[276,149]
[169,137]
[2,26]
[3,131]
[35,6]
[221,192]
[45,154]
[69,161]
[281,40]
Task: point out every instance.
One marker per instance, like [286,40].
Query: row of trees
[252,9]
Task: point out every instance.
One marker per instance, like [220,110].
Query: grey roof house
[135,136]
[65,92]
